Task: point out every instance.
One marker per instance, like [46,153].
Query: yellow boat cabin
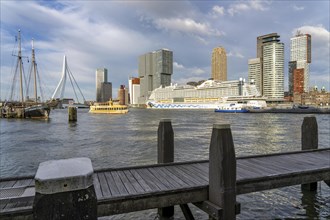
[108,108]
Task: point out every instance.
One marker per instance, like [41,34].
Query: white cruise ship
[208,95]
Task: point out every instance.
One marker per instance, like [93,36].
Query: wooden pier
[211,185]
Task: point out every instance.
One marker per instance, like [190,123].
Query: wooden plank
[11,204]
[151,179]
[112,184]
[121,188]
[104,185]
[129,187]
[251,173]
[203,167]
[193,174]
[289,166]
[162,178]
[97,186]
[199,172]
[264,170]
[174,177]
[141,181]
[169,177]
[183,175]
[133,181]
[3,204]
[23,183]
[7,184]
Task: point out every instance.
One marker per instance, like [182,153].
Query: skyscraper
[254,73]
[219,64]
[261,40]
[273,68]
[103,87]
[300,53]
[267,70]
[155,70]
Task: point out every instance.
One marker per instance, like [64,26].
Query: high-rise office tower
[103,87]
[155,70]
[273,68]
[300,54]
[267,70]
[219,64]
[261,40]
[254,73]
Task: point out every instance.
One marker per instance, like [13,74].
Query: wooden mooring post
[72,111]
[222,173]
[309,141]
[165,154]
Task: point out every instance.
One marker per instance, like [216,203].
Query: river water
[131,139]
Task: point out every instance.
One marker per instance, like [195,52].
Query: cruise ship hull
[156,105]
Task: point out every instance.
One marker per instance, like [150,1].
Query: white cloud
[298,8]
[256,5]
[186,25]
[218,10]
[197,71]
[177,66]
[235,54]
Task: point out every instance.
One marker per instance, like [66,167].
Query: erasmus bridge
[60,89]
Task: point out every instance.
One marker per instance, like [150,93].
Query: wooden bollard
[65,190]
[309,141]
[165,155]
[222,171]
[72,111]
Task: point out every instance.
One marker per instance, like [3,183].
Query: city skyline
[191,29]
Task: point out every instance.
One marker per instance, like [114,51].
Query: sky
[113,34]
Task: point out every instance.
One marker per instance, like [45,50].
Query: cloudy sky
[112,34]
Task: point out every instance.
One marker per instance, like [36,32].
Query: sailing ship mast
[34,66]
[20,63]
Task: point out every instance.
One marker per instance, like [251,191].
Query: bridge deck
[137,188]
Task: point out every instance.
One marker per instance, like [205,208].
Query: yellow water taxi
[109,107]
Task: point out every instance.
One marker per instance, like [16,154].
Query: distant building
[155,70]
[123,95]
[134,90]
[106,91]
[219,64]
[313,97]
[103,87]
[273,69]
[300,53]
[298,81]
[254,73]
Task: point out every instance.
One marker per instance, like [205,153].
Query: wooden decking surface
[144,187]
